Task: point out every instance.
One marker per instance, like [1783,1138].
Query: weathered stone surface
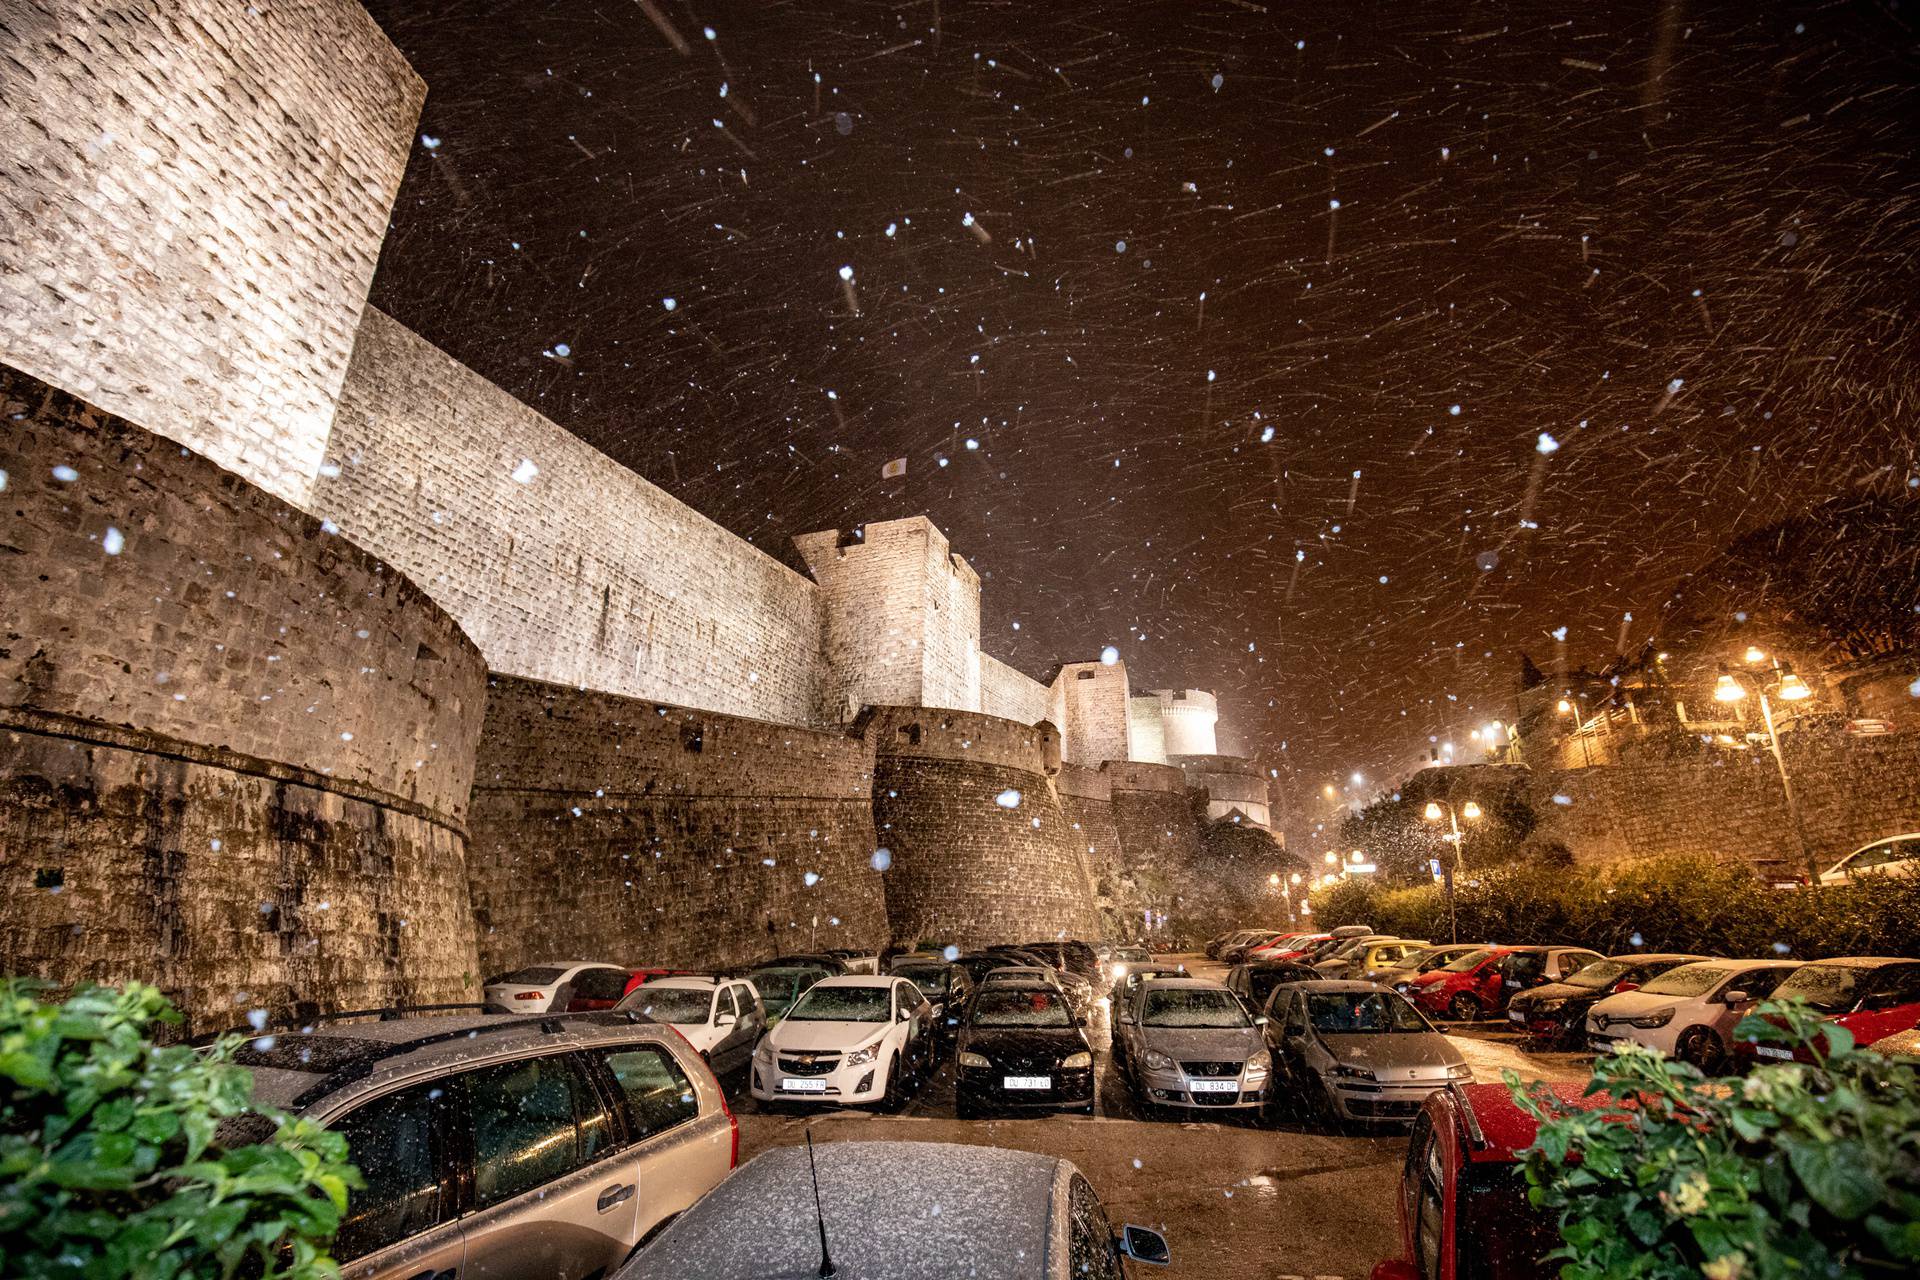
[613,829]
[217,718]
[193,195]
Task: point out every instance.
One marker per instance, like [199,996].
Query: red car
[1463,1196]
[598,989]
[1480,983]
[1871,996]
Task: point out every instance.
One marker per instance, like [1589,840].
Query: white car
[849,1039]
[1689,1012]
[1893,856]
[721,1017]
[531,989]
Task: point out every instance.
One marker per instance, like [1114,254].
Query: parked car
[531,989]
[1463,1195]
[1287,946]
[721,1017]
[1689,1012]
[1554,1015]
[1480,983]
[1364,954]
[1236,937]
[1254,983]
[1130,981]
[850,1039]
[1414,963]
[1012,1215]
[1077,988]
[1022,1046]
[1903,1045]
[781,984]
[1186,1042]
[592,990]
[1356,1051]
[856,961]
[1121,958]
[1238,952]
[1871,996]
[1893,856]
[1069,956]
[822,959]
[493,1146]
[946,987]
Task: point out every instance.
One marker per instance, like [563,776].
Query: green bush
[1666,904]
[1794,1171]
[109,1161]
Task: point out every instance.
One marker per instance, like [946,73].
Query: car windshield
[536,976]
[1132,955]
[1020,1007]
[682,1005]
[1830,988]
[927,977]
[779,988]
[842,1004]
[1193,1007]
[1687,980]
[1600,973]
[1343,1013]
[1467,962]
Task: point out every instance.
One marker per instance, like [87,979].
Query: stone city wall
[192,200]
[236,749]
[560,563]
[1011,694]
[608,828]
[1090,704]
[1729,804]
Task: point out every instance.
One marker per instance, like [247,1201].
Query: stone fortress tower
[320,649]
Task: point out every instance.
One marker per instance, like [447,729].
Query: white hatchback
[721,1017]
[849,1039]
[531,989]
[1894,856]
[1689,1012]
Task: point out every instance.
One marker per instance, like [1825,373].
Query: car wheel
[896,1095]
[1700,1048]
[1464,1008]
[1320,1105]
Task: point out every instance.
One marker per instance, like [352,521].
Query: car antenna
[819,1215]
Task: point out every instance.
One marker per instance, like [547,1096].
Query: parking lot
[1238,1200]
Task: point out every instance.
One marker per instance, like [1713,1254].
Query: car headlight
[1260,1063]
[860,1057]
[1158,1061]
[1459,1071]
[975,1060]
[1076,1061]
[1659,1019]
[1354,1073]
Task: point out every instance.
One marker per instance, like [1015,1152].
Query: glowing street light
[1469,810]
[1791,688]
[1436,809]
[1573,706]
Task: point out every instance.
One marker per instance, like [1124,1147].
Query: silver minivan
[497,1147]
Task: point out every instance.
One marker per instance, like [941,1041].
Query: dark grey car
[1356,1051]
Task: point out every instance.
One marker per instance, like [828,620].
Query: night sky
[1325,355]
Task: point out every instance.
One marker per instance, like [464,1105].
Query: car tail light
[733,1133]
[529,995]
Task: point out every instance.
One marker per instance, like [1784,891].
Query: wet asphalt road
[1238,1198]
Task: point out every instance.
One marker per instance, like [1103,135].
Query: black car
[1255,982]
[1556,1014]
[1068,957]
[818,959]
[1022,1048]
[947,987]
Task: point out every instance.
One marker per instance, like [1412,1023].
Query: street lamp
[1436,809]
[1575,708]
[1790,689]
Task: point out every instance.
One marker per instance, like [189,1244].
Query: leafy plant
[110,1163]
[1796,1170]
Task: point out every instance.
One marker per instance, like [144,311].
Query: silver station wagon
[498,1147]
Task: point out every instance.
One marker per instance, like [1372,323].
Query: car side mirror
[1143,1244]
[905,1015]
[725,1020]
[1394,1270]
[1261,1021]
[1735,997]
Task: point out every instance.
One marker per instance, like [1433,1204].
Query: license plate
[1215,1086]
[788,1085]
[1026,1082]
[1773,1051]
[1514,1015]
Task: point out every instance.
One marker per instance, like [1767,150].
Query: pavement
[1237,1198]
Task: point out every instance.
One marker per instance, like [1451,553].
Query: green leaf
[1838,1175]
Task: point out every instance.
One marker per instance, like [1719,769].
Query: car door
[404,1222]
[1888,1006]
[547,1187]
[910,1014]
[733,1017]
[671,1157]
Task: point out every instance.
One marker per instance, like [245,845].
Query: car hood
[1554,991]
[812,1037]
[1208,1043]
[1405,1055]
[1022,1046]
[1634,1004]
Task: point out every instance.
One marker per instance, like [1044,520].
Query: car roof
[692,981]
[1498,1129]
[1639,958]
[1865,962]
[564,964]
[860,980]
[1335,984]
[756,1224]
[297,1070]
[1182,983]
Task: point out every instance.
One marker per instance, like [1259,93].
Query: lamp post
[1471,812]
[1791,689]
[1572,706]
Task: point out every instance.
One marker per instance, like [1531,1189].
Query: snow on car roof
[859,980]
[941,1210]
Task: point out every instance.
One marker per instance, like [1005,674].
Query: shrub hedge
[1661,904]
